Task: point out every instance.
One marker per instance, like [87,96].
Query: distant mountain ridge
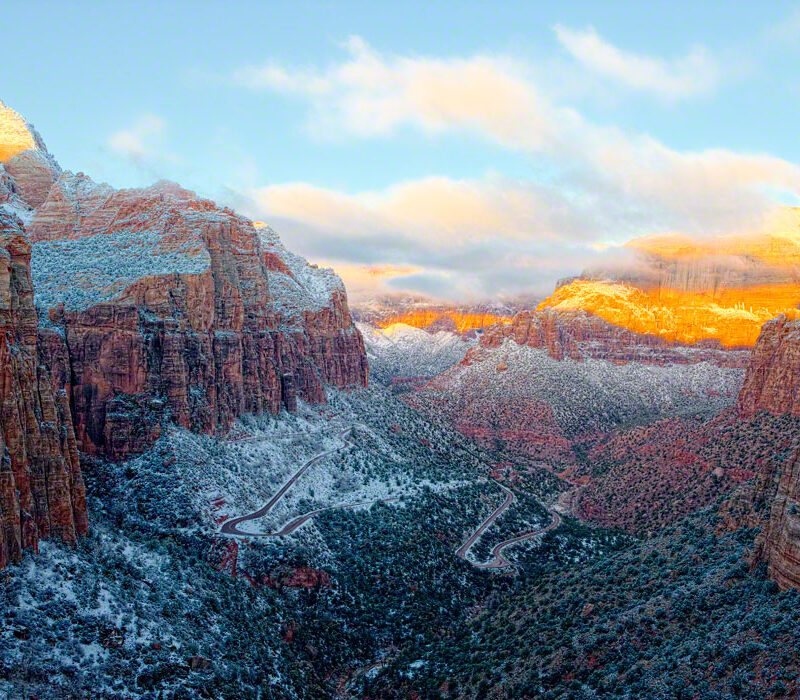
[686,291]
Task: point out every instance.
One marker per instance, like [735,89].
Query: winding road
[497,560]
[231,527]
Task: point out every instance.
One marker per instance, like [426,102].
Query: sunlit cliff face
[686,290]
[732,316]
[15,135]
[423,318]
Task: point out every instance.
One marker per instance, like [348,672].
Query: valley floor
[360,549]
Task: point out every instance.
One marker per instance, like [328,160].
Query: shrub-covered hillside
[677,616]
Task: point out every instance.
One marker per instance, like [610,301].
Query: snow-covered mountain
[401,352]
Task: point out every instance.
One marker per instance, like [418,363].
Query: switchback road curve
[497,560]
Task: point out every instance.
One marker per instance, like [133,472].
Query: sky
[461,150]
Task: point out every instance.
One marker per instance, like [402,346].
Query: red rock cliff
[580,335]
[772,382]
[158,305]
[41,488]
[776,508]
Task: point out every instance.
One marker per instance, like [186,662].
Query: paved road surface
[231,527]
[497,560]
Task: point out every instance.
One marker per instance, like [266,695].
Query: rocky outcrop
[579,335]
[688,290]
[771,386]
[457,320]
[27,170]
[776,508]
[41,488]
[429,315]
[158,305]
[34,175]
[124,310]
[730,316]
[772,382]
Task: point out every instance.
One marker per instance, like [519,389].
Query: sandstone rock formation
[41,487]
[460,321]
[776,508]
[687,290]
[579,335]
[433,316]
[772,382]
[157,305]
[730,316]
[27,170]
[771,385]
[125,310]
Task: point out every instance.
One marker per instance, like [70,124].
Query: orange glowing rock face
[733,316]
[777,244]
[687,290]
[463,321]
[15,135]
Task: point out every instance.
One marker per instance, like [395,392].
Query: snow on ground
[588,394]
[87,271]
[125,612]
[401,350]
[212,479]
[307,286]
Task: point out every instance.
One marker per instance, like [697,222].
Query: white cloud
[449,238]
[677,78]
[785,32]
[458,211]
[370,94]
[140,141]
[495,234]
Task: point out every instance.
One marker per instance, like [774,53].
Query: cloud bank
[478,237]
[140,141]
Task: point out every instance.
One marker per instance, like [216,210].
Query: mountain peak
[16,134]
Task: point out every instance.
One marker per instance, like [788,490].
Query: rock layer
[124,310]
[776,508]
[772,382]
[41,487]
[200,318]
[579,335]
[731,316]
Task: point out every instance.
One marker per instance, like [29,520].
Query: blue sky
[456,149]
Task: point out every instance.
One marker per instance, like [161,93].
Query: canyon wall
[580,335]
[41,488]
[730,316]
[771,384]
[127,310]
[776,509]
[686,290]
[158,305]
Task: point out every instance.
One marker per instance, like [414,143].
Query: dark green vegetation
[141,607]
[146,605]
[677,616]
[648,477]
[141,615]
